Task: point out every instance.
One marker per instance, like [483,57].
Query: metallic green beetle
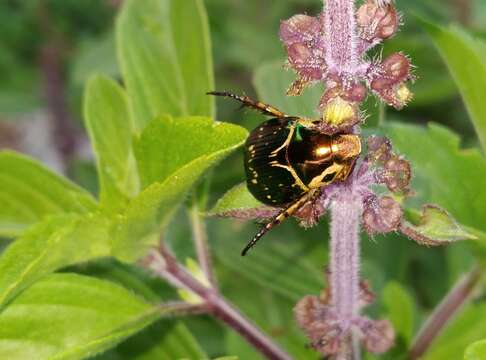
[287,161]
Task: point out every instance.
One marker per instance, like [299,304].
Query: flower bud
[315,319]
[302,59]
[366,295]
[299,29]
[390,78]
[398,96]
[355,92]
[397,174]
[378,336]
[395,69]
[379,149]
[382,215]
[377,21]
[302,37]
[403,95]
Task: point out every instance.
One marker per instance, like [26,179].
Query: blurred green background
[49,48]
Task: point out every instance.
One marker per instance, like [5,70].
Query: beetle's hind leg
[279,218]
[249,102]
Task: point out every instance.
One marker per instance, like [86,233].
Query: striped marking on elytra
[298,181]
[318,180]
[286,142]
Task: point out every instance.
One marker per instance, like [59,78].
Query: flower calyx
[328,334]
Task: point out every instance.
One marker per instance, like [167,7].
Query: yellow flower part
[339,111]
[403,94]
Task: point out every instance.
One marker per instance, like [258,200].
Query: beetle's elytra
[287,162]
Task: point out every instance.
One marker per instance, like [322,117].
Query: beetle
[287,161]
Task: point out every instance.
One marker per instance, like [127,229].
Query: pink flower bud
[302,36]
[354,92]
[299,28]
[395,69]
[382,215]
[397,96]
[377,21]
[389,80]
[379,149]
[366,295]
[304,61]
[397,174]
[315,319]
[378,336]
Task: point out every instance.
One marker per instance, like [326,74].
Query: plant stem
[340,28]
[381,114]
[181,308]
[346,211]
[443,313]
[463,11]
[51,63]
[163,264]
[200,238]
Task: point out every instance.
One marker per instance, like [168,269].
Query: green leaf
[165,56]
[68,316]
[400,309]
[464,56]
[443,173]
[435,227]
[130,276]
[29,192]
[465,329]
[271,82]
[168,144]
[236,199]
[476,351]
[108,124]
[95,56]
[175,153]
[165,340]
[56,242]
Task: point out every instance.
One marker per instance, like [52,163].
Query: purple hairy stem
[341,38]
[344,263]
[163,264]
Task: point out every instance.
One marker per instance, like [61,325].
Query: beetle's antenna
[278,219]
[262,232]
[246,101]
